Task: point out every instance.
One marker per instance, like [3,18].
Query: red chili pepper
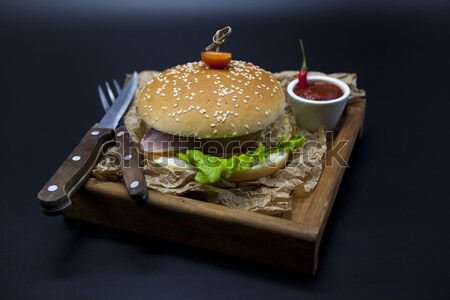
[303,73]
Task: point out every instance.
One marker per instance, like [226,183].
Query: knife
[54,197]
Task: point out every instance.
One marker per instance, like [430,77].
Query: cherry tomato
[216,60]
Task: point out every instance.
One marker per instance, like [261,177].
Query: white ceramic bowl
[311,114]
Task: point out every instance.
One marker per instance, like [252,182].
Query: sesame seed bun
[194,100]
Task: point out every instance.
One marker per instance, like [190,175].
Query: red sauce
[319,91]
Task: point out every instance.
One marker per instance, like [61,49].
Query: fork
[130,164]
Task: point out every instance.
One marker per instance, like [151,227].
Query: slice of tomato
[216,60]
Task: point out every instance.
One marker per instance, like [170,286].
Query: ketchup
[319,91]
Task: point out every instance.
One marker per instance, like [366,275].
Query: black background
[389,231]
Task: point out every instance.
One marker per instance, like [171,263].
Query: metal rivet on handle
[52,188]
[120,133]
[128,157]
[134,184]
[76,158]
[95,132]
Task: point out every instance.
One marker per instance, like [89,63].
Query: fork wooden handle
[131,167]
[54,198]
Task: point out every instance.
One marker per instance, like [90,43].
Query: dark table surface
[389,231]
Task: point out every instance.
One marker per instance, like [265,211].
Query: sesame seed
[157,118]
[236,105]
[246,126]
[178,120]
[234,133]
[213,125]
[259,123]
[236,114]
[175,105]
[215,131]
[232,125]
[245,101]
[257,108]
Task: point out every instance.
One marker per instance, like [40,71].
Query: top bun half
[194,100]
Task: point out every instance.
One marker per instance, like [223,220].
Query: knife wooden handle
[54,198]
[131,166]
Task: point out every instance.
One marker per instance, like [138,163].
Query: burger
[212,120]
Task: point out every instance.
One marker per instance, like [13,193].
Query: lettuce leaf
[211,168]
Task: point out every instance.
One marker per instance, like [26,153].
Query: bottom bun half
[275,161]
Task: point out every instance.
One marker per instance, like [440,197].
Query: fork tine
[110,92]
[117,86]
[105,103]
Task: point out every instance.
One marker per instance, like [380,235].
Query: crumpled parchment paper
[268,195]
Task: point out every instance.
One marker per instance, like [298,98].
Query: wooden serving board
[288,241]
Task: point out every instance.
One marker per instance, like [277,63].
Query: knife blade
[54,197]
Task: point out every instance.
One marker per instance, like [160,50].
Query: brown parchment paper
[269,195]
